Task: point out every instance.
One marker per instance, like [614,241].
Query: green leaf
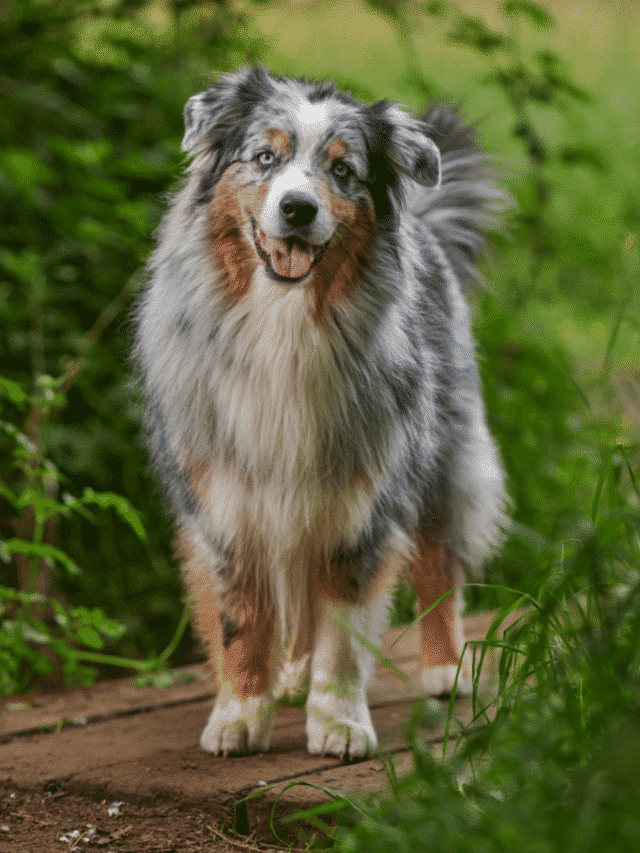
[536,13]
[437,8]
[24,169]
[82,153]
[7,593]
[390,8]
[25,266]
[108,627]
[136,166]
[8,495]
[32,549]
[13,391]
[61,616]
[136,214]
[37,632]
[43,506]
[88,636]
[474,33]
[109,500]
[583,154]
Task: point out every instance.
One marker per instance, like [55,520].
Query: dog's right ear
[199,116]
[211,116]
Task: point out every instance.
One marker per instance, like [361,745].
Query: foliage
[39,632]
[28,641]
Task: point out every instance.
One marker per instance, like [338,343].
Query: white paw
[439,680]
[337,725]
[239,725]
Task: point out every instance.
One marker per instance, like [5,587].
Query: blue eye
[341,170]
[265,158]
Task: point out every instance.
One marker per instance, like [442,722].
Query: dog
[312,395]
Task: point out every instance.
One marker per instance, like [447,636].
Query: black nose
[298,209]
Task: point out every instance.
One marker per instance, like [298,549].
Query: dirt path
[67,760]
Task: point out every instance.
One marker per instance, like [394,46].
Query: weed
[40,632]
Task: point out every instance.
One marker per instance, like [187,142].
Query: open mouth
[287,259]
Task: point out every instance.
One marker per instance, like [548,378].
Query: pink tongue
[289,258]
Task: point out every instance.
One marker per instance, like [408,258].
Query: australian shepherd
[313,402]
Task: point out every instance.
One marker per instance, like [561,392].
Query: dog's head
[299,176]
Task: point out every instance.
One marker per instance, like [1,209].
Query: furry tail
[467,201]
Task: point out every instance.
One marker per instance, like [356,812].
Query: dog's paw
[441,680]
[239,725]
[340,726]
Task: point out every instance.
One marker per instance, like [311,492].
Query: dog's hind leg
[240,645]
[441,633]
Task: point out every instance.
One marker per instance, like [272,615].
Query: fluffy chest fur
[284,425]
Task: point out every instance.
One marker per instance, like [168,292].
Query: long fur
[307,432]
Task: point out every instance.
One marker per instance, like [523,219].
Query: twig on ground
[262,848]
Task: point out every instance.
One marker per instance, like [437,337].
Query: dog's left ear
[411,152]
[420,158]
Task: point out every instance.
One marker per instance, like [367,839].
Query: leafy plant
[40,632]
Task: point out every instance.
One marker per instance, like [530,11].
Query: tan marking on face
[238,196]
[433,576]
[244,663]
[338,272]
[337,149]
[280,142]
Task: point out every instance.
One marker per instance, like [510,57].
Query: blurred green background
[91,99]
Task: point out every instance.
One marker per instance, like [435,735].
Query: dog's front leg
[238,632]
[242,717]
[338,718]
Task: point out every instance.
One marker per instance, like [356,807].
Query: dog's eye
[266,158]
[341,171]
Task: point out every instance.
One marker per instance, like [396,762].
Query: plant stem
[182,626]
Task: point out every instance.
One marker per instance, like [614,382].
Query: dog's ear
[408,148]
[212,116]
[419,157]
[200,114]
